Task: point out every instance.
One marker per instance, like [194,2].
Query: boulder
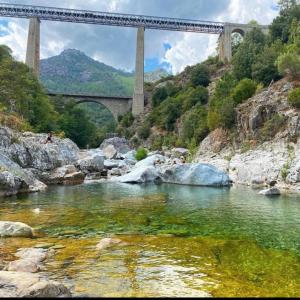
[150,161]
[110,152]
[270,192]
[121,145]
[195,174]
[64,175]
[15,229]
[14,179]
[130,155]
[23,265]
[109,242]
[93,162]
[36,255]
[24,284]
[139,175]
[111,163]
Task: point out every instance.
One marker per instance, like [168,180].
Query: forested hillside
[185,108]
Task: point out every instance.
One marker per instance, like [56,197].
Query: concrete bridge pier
[33,46]
[138,96]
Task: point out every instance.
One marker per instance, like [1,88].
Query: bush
[144,131]
[200,76]
[159,95]
[294,98]
[195,96]
[141,154]
[289,64]
[127,120]
[244,90]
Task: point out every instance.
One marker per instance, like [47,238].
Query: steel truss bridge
[111,19]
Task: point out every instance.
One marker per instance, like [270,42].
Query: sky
[116,46]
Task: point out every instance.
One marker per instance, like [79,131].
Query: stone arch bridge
[118,106]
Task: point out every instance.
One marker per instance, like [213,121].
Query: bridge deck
[88,97]
[113,19]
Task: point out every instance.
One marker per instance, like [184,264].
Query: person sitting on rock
[49,138]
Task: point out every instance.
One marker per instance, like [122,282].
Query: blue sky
[116,46]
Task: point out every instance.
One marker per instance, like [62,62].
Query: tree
[286,5]
[200,75]
[194,96]
[264,69]
[245,56]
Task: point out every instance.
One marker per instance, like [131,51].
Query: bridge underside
[118,106]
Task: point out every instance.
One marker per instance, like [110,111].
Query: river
[182,240]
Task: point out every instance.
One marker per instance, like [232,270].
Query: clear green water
[182,240]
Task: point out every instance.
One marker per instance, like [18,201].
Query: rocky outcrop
[24,284]
[29,151]
[195,174]
[14,179]
[270,192]
[15,229]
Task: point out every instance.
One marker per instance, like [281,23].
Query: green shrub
[289,64]
[127,120]
[244,90]
[144,131]
[159,95]
[294,98]
[195,96]
[141,154]
[200,75]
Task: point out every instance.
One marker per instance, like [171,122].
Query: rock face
[15,229]
[14,179]
[195,174]
[29,151]
[24,284]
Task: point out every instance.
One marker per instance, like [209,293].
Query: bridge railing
[114,19]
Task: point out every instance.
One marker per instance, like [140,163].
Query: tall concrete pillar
[225,47]
[33,46]
[138,96]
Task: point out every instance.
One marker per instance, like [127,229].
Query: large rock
[93,162]
[119,145]
[14,180]
[150,161]
[15,229]
[195,174]
[140,175]
[29,151]
[109,242]
[63,175]
[24,284]
[270,192]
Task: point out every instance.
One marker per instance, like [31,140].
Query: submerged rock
[24,284]
[15,229]
[270,192]
[195,174]
[109,242]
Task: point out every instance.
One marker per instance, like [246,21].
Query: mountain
[75,72]
[156,75]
